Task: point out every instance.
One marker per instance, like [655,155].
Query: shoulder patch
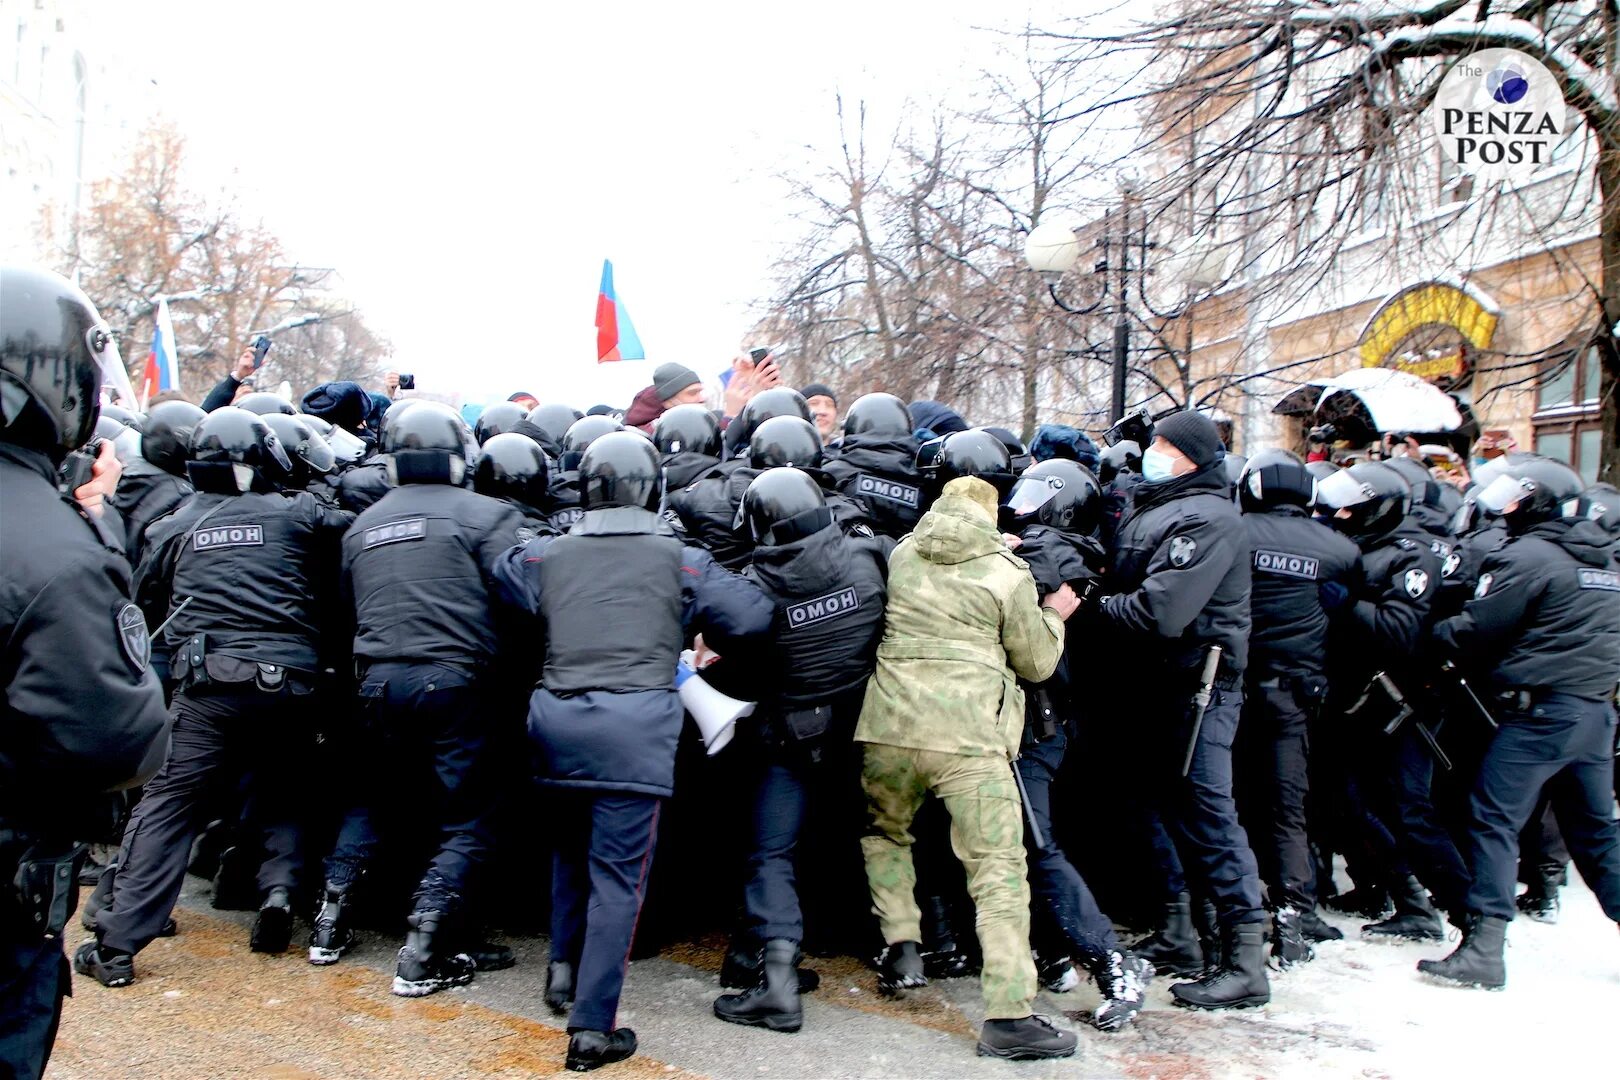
[1416,583]
[1484,585]
[877,487]
[1607,580]
[822,608]
[1287,564]
[133,637]
[1182,551]
[396,532]
[1449,567]
[525,533]
[227,536]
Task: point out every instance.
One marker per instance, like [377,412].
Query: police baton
[1201,700]
[164,625]
[1036,836]
[1468,694]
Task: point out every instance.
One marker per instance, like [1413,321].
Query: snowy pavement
[205,1006]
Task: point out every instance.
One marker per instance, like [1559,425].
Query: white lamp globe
[1052,249]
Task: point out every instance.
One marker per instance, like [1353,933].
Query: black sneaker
[901,968]
[109,968]
[272,927]
[589,1050]
[1057,974]
[422,969]
[1122,980]
[1029,1039]
[489,956]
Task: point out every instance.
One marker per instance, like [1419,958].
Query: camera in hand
[1322,435]
[77,468]
[407,382]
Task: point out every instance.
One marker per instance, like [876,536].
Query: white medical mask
[1157,466]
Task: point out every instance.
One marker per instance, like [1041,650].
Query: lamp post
[1053,248]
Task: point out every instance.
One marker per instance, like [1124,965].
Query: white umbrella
[1384,399]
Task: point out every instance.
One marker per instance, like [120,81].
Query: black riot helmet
[1321,470]
[1124,456]
[310,454]
[1601,503]
[1529,492]
[498,418]
[512,466]
[785,440]
[620,468]
[777,401]
[1060,493]
[1425,488]
[126,417]
[55,354]
[689,429]
[1496,466]
[1366,501]
[782,505]
[166,442]
[965,453]
[1274,478]
[1016,450]
[878,414]
[234,451]
[554,420]
[263,403]
[1447,499]
[123,430]
[427,443]
[581,433]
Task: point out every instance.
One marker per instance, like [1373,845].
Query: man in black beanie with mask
[1179,569]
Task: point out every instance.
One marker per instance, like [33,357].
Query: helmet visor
[1031,493]
[114,376]
[1340,490]
[346,446]
[1503,492]
[930,454]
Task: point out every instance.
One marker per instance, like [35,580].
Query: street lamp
[1053,248]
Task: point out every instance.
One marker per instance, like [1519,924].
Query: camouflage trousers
[987,834]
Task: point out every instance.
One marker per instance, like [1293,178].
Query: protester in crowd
[673,384]
[823,408]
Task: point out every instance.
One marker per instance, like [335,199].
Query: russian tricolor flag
[616,337]
[163,362]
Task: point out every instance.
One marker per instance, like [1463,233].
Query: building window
[1567,424]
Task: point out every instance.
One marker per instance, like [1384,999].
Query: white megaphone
[715,713]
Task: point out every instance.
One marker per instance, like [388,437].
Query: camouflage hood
[961,525]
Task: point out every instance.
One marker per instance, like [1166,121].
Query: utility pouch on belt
[807,724]
[47,887]
[189,667]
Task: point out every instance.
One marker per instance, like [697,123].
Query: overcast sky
[468,166]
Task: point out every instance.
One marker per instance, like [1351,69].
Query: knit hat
[670,379]
[341,404]
[936,418]
[1193,434]
[1062,441]
[817,389]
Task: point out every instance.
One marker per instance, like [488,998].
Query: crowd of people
[372,651]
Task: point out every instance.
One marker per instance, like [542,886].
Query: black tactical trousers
[221,730]
[1273,774]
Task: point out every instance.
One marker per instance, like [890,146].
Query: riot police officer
[502,417]
[617,593]
[690,443]
[153,486]
[83,714]
[418,567]
[1051,518]
[565,509]
[828,592]
[235,570]
[1547,610]
[1302,572]
[876,463]
[312,459]
[514,468]
[1180,570]
[1388,823]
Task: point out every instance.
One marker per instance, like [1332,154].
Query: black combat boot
[1540,899]
[1122,980]
[1367,901]
[1289,946]
[774,1003]
[1478,960]
[1317,929]
[331,936]
[1026,1039]
[272,927]
[740,969]
[1415,918]
[943,957]
[1173,949]
[1240,980]
[234,886]
[559,986]
[421,969]
[589,1050]
[108,967]
[901,968]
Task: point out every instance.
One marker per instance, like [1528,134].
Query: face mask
[1157,466]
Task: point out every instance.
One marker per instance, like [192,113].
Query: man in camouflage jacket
[944,713]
